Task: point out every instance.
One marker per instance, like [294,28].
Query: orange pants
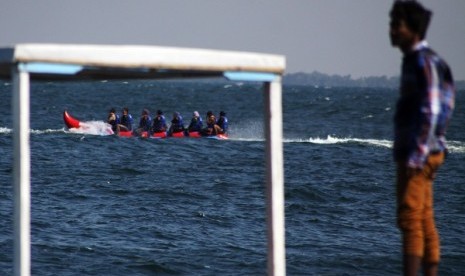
[415,215]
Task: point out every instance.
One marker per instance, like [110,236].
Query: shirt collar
[420,45]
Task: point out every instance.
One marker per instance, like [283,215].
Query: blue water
[103,205]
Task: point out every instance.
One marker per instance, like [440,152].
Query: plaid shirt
[424,108]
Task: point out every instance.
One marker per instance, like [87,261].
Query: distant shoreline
[318,79]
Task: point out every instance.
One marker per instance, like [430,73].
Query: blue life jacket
[145,124]
[223,123]
[196,124]
[126,121]
[159,124]
[177,125]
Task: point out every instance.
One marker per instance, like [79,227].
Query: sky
[336,37]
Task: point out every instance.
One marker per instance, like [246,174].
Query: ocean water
[103,205]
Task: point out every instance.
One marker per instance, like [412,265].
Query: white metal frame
[24,61]
[22,173]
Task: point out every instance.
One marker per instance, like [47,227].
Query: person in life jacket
[145,122]
[113,119]
[159,123]
[212,128]
[196,123]
[222,122]
[126,121]
[177,124]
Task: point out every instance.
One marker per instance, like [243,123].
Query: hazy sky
[344,37]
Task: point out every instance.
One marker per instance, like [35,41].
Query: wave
[334,140]
[320,141]
[47,131]
[453,146]
[456,146]
[4,130]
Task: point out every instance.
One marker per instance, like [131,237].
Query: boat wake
[98,128]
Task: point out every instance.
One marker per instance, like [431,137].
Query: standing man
[423,111]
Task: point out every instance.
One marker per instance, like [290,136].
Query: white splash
[93,128]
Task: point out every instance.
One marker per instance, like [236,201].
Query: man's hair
[414,14]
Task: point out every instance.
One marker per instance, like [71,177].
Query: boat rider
[126,121]
[196,123]
[113,119]
[223,122]
[209,113]
[145,122]
[159,123]
[177,125]
[212,128]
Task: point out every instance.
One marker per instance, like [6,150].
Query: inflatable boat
[73,123]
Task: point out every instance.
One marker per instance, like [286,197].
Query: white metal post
[275,178]
[21,172]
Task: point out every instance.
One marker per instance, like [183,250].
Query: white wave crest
[456,146]
[334,140]
[46,131]
[5,130]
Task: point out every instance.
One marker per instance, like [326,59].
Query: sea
[106,205]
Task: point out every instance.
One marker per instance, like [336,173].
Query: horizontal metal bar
[250,76]
[50,68]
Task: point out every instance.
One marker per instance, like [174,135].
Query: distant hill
[324,80]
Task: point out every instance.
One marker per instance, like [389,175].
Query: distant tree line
[324,80]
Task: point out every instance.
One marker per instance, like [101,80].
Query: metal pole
[275,178]
[21,172]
